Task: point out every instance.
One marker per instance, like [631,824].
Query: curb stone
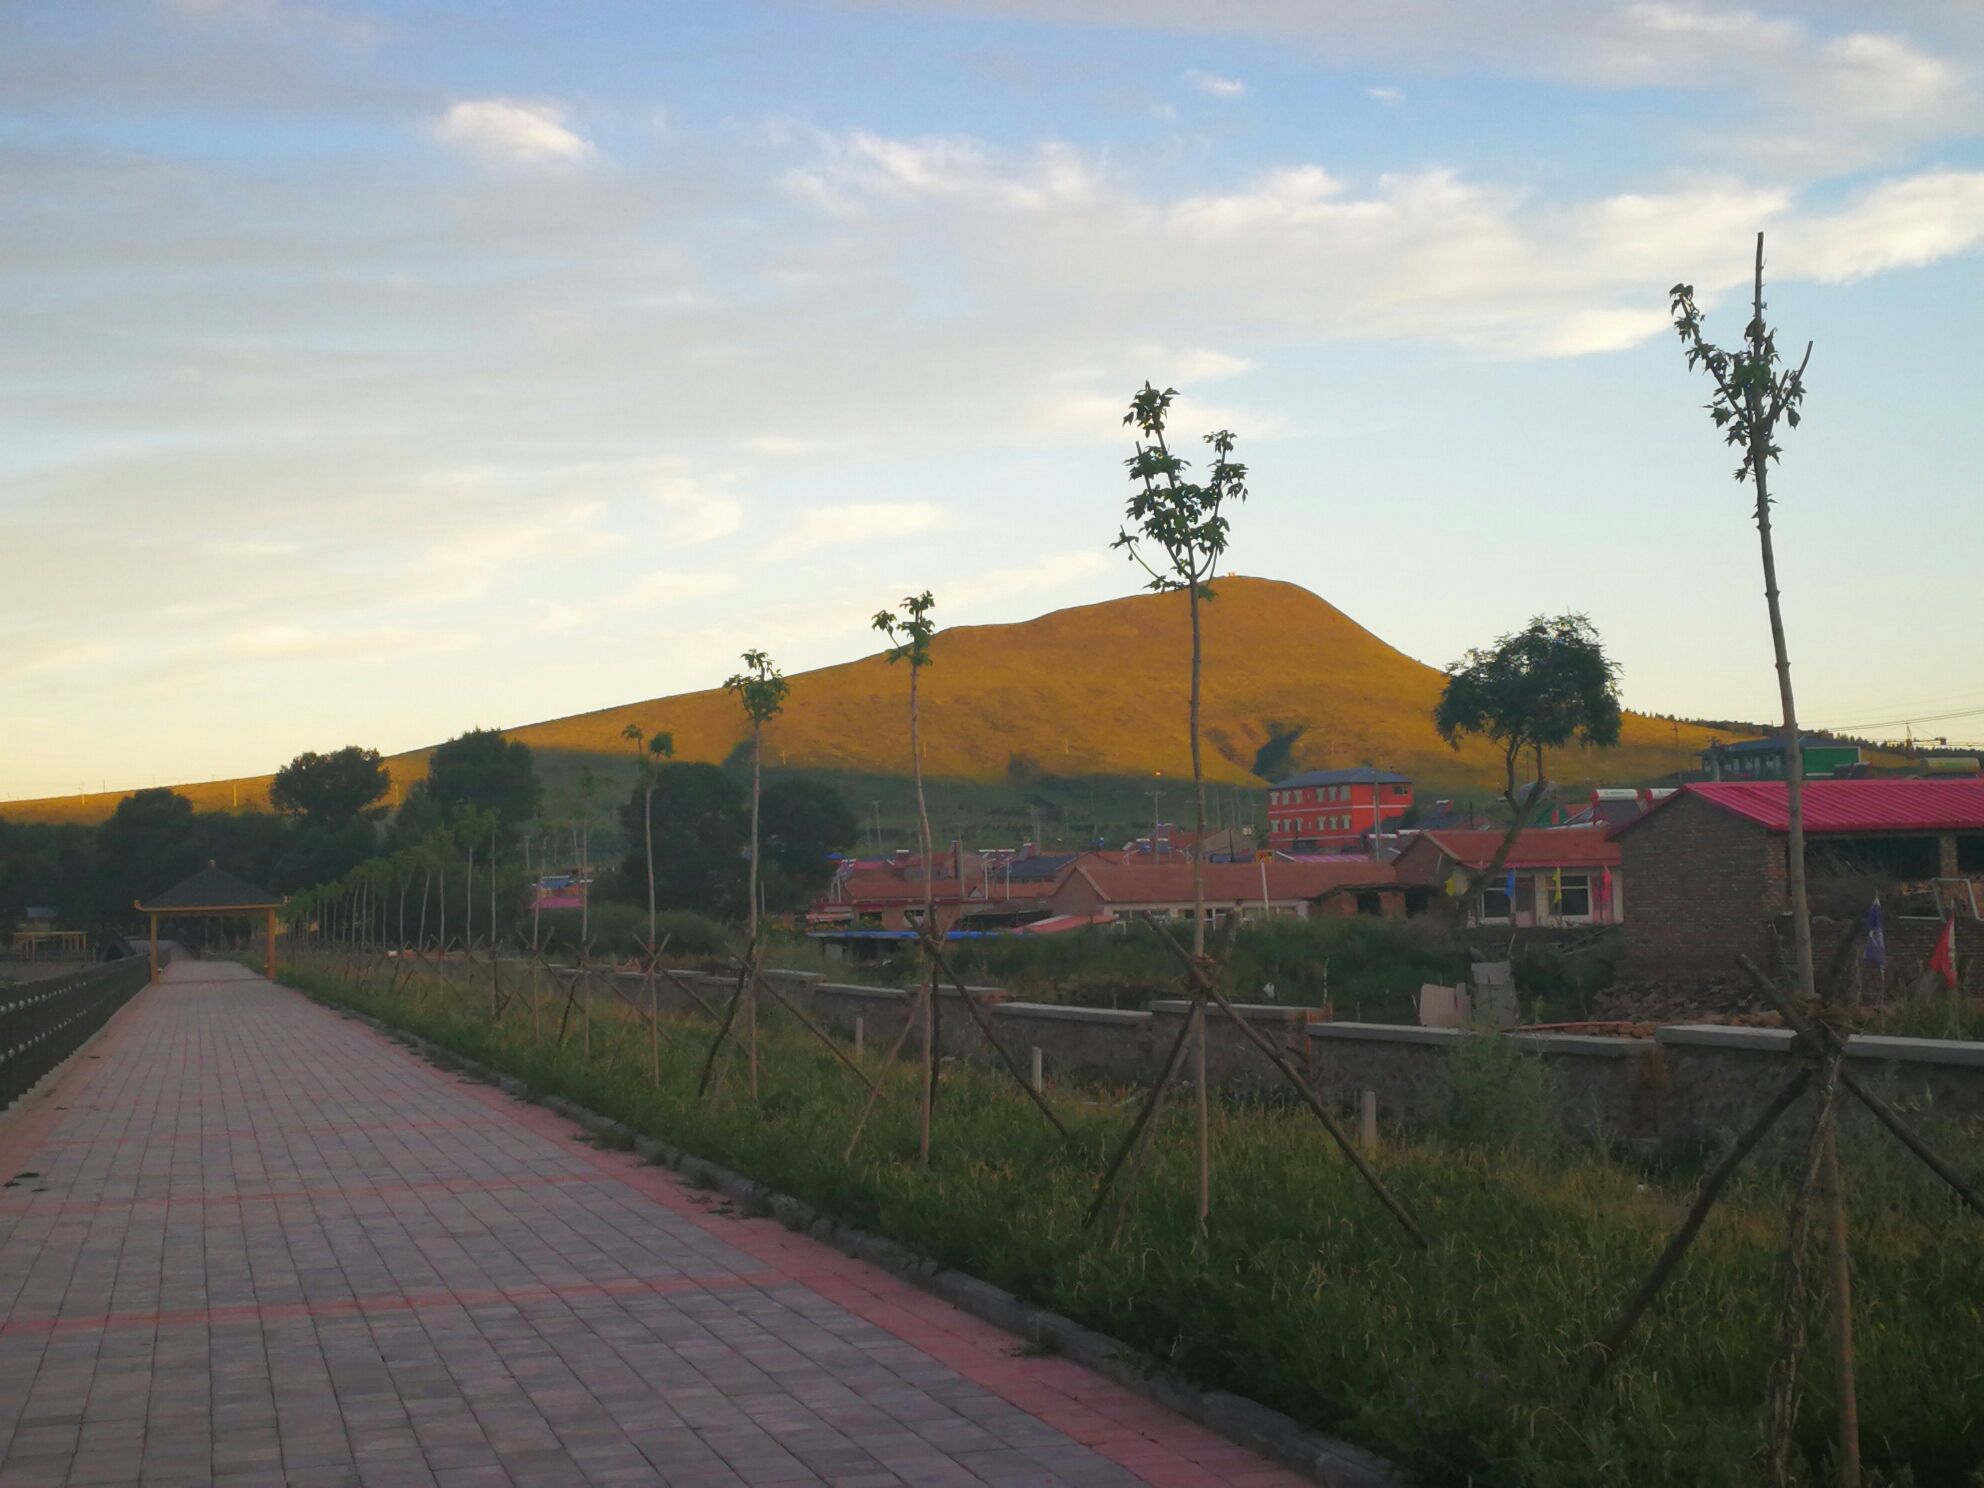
[1246,1422]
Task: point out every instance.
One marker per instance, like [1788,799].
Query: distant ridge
[1096,690]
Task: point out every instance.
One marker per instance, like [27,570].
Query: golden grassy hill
[1098,690]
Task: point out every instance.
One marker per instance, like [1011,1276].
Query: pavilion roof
[212,888]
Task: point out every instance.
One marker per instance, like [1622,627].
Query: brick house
[1708,866]
[1274,888]
[1322,810]
[1552,876]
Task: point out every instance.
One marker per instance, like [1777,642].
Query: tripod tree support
[985,1027]
[1607,1348]
[1822,1036]
[1147,1117]
[729,1019]
[1207,988]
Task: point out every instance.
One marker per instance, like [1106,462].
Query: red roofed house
[1254,890]
[1553,875]
[1708,866]
[888,894]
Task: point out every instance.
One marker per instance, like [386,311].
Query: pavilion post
[154,947]
[269,946]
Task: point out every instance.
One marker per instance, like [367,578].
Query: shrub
[1493,1094]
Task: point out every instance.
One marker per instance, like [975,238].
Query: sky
[369,372]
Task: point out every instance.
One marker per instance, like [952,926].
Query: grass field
[1457,1362]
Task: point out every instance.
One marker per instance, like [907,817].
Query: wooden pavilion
[214,893]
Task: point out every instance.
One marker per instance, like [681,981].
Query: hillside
[1095,691]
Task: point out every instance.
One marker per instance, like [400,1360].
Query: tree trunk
[468,900]
[926,845]
[1199,913]
[426,883]
[757,776]
[1848,1466]
[647,834]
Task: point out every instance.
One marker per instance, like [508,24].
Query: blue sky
[373,371]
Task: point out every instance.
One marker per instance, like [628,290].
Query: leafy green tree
[332,787]
[1177,533]
[148,844]
[1543,687]
[486,769]
[761,689]
[699,828]
[805,820]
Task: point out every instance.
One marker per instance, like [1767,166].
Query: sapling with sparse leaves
[1756,389]
[1177,533]
[909,640]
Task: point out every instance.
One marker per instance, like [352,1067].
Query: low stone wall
[1231,1058]
[1608,1090]
[1687,1084]
[1719,1078]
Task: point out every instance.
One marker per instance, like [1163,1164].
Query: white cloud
[862,167]
[513,131]
[1901,224]
[870,521]
[1386,95]
[1213,84]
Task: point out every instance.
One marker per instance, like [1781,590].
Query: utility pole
[1155,851]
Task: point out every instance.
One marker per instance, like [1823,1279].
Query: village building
[1328,810]
[1764,759]
[1709,869]
[1553,876]
[1262,889]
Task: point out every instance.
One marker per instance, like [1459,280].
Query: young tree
[1541,688]
[1185,522]
[761,689]
[332,787]
[909,640]
[909,637]
[1755,388]
[1183,525]
[646,767]
[700,827]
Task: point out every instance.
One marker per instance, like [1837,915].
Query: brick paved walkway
[247,1241]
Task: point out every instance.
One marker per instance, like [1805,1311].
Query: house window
[1900,858]
[1970,855]
[1495,904]
[1573,897]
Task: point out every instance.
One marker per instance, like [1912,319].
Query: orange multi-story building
[1330,810]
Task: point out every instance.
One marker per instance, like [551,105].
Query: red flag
[1943,962]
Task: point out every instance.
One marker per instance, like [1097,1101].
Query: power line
[1848,728]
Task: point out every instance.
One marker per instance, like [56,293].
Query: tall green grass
[1457,1362]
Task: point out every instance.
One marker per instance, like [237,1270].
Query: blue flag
[1876,951]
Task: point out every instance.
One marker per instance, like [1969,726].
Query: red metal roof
[1535,847]
[1171,883]
[1847,805]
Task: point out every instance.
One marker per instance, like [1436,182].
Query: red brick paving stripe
[459,1186]
[1158,1445]
[396,1302]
